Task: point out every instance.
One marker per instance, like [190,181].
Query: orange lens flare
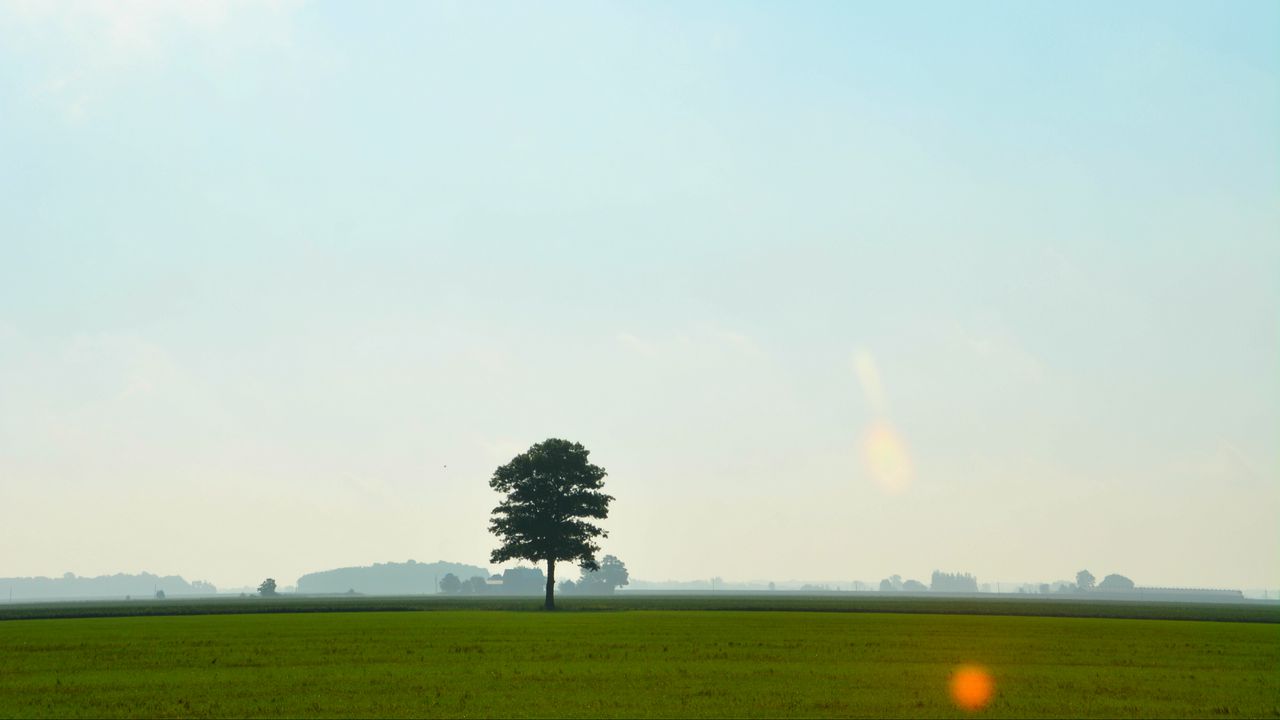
[886,457]
[972,687]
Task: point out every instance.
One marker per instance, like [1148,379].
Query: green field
[631,663]
[781,601]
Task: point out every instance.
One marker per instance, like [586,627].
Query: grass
[659,663]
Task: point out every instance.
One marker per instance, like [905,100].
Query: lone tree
[267,588]
[551,490]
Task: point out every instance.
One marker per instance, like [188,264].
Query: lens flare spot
[886,457]
[864,366]
[972,687]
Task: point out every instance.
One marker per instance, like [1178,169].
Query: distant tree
[611,576]
[450,584]
[1115,583]
[1084,580]
[567,586]
[953,582]
[267,588]
[771,586]
[523,581]
[475,585]
[390,578]
[893,583]
[552,490]
[1044,588]
[914,586]
[614,572]
[159,594]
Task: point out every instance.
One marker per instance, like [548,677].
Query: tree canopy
[552,492]
[893,583]
[953,582]
[450,584]
[1115,582]
[611,575]
[1084,580]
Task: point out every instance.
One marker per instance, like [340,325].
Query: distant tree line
[1085,582]
[1115,582]
[1110,583]
[895,583]
[940,582]
[611,576]
[390,578]
[531,581]
[70,585]
[513,581]
[966,583]
[953,582]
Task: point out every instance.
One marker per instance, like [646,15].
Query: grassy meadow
[655,663]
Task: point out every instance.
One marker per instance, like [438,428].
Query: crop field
[653,663]
[929,603]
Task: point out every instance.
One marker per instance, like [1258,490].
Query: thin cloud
[636,344]
[82,50]
[738,341]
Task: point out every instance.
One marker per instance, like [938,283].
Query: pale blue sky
[265,269]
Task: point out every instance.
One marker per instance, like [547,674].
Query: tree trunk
[551,585]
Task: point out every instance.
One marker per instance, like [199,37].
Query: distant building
[523,581]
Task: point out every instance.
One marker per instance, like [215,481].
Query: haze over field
[831,290]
